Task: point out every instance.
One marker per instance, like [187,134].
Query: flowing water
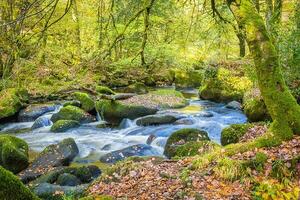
[94,142]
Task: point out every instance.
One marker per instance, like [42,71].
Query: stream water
[94,142]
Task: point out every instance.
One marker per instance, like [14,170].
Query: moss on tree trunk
[281,105]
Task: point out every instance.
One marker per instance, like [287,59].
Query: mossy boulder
[67,179]
[64,125]
[114,111]
[138,88]
[233,133]
[156,120]
[72,113]
[181,137]
[11,101]
[12,188]
[87,103]
[196,148]
[187,77]
[13,153]
[104,90]
[222,85]
[254,106]
[73,103]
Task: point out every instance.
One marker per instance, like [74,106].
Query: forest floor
[177,179]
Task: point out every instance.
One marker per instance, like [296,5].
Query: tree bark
[281,105]
[75,17]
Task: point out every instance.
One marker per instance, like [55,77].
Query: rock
[156,120]
[234,105]
[56,192]
[182,136]
[135,150]
[95,171]
[84,174]
[72,113]
[233,133]
[63,125]
[114,112]
[11,101]
[73,103]
[150,139]
[104,90]
[185,121]
[32,112]
[138,88]
[196,148]
[66,179]
[55,155]
[87,103]
[13,153]
[41,122]
[12,188]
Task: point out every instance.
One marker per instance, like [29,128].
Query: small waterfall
[126,123]
[98,117]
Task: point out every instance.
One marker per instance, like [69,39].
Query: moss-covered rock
[254,106]
[233,133]
[104,90]
[221,85]
[67,179]
[196,148]
[187,77]
[64,125]
[181,137]
[87,103]
[11,101]
[13,188]
[114,111]
[72,113]
[13,153]
[73,103]
[138,88]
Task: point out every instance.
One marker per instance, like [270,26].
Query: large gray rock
[135,150]
[67,179]
[53,156]
[156,120]
[32,112]
[41,122]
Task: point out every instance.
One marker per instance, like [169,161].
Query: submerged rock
[32,112]
[234,105]
[41,122]
[14,153]
[63,125]
[135,150]
[156,120]
[185,121]
[150,139]
[181,137]
[55,155]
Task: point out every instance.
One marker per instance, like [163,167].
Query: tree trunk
[281,105]
[75,17]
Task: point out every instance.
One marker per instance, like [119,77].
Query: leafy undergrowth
[264,173]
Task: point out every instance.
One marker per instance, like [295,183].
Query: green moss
[168,92]
[181,137]
[187,77]
[11,101]
[138,88]
[87,103]
[84,174]
[230,170]
[233,133]
[258,162]
[72,113]
[195,148]
[13,153]
[104,90]
[114,111]
[13,188]
[64,125]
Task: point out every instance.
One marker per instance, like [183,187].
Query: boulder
[67,179]
[135,150]
[181,137]
[138,88]
[150,139]
[235,105]
[12,188]
[72,113]
[104,90]
[156,120]
[32,112]
[11,101]
[114,112]
[41,122]
[63,125]
[73,103]
[55,155]
[233,133]
[184,121]
[13,153]
[87,103]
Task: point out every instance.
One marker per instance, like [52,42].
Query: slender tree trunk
[281,105]
[75,16]
[269,14]
[101,9]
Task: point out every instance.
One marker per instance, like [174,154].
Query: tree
[281,105]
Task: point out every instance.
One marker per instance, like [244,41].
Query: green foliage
[168,92]
[258,162]
[229,169]
[280,170]
[13,188]
[233,133]
[87,103]
[195,148]
[64,125]
[13,153]
[104,90]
